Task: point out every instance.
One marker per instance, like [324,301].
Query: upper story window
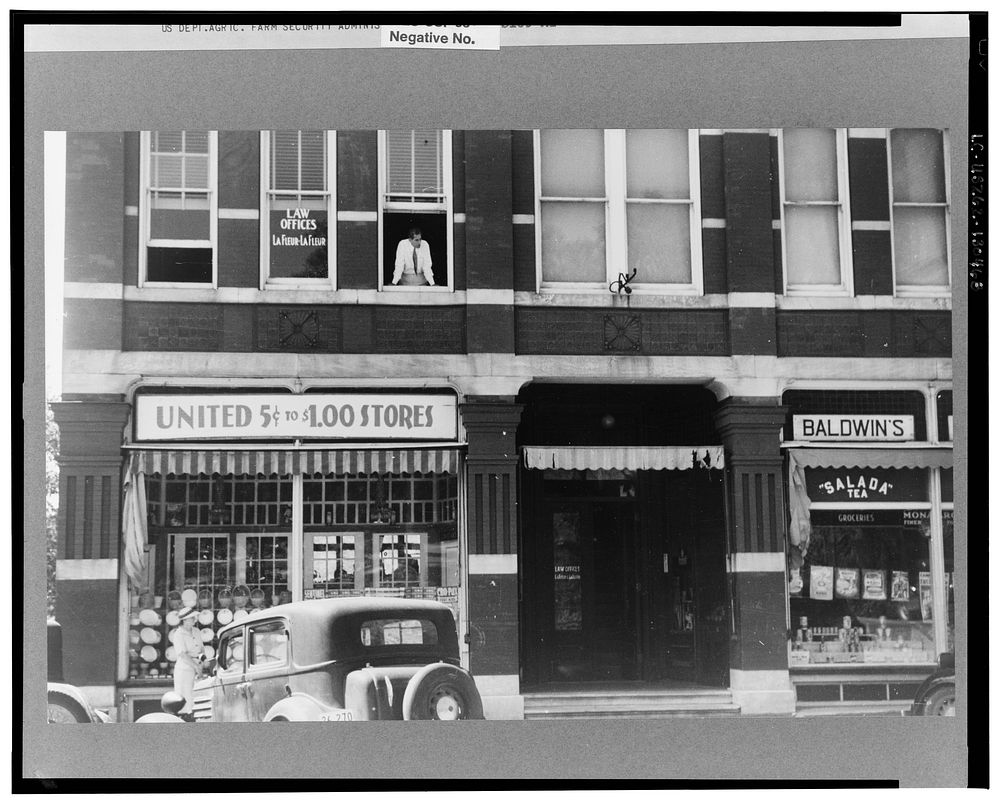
[179,206]
[415,209]
[921,226]
[816,245]
[611,202]
[299,171]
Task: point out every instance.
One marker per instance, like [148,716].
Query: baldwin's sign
[355,417]
[837,427]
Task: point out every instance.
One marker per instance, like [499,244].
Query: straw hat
[187,613]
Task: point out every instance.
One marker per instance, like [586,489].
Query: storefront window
[860,586]
[377,534]
[219,543]
[948,544]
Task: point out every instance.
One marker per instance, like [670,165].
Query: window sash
[799,207]
[906,243]
[420,199]
[617,203]
[290,195]
[178,198]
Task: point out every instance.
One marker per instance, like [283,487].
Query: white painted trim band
[752,299]
[87,569]
[870,226]
[867,133]
[458,217]
[362,216]
[757,562]
[503,564]
[131,211]
[520,220]
[713,223]
[226,213]
[92,290]
[489,296]
[498,685]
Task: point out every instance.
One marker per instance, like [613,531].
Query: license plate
[338,714]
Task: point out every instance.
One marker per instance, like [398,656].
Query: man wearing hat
[190,652]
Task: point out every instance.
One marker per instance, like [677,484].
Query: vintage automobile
[66,703]
[936,695]
[344,659]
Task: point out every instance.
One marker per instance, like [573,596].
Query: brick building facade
[778,275]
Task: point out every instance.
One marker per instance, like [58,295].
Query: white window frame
[616,203]
[375,545]
[266,281]
[446,208]
[846,285]
[920,290]
[145,207]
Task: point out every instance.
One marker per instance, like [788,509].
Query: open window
[298,173]
[179,208]
[415,191]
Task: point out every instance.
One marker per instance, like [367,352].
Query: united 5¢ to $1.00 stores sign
[411,417]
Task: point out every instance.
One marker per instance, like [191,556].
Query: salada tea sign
[355,417]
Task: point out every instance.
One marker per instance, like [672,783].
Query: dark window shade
[179,265]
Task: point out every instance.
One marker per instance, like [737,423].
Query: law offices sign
[342,417]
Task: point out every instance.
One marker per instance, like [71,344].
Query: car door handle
[244,689]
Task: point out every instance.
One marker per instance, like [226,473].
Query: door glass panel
[566,580]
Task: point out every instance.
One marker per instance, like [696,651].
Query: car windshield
[394,631]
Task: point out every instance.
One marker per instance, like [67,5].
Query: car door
[268,662]
[229,702]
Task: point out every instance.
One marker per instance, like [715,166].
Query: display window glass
[228,545]
[862,587]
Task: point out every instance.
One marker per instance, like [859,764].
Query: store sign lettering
[857,487]
[826,427]
[321,416]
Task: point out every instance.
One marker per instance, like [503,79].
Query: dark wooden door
[586,592]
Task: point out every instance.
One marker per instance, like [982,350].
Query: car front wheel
[941,702]
[442,692]
[63,710]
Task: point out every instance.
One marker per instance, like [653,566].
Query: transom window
[299,170]
[816,245]
[178,216]
[415,192]
[618,201]
[921,223]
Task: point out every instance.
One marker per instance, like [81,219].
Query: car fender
[73,699]
[296,706]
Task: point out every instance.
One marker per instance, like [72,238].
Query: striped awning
[873,457]
[632,458]
[288,462]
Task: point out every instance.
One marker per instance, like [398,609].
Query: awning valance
[632,458]
[874,457]
[286,462]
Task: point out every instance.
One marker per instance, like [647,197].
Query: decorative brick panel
[420,330]
[752,331]
[173,327]
[297,329]
[491,328]
[864,333]
[582,331]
